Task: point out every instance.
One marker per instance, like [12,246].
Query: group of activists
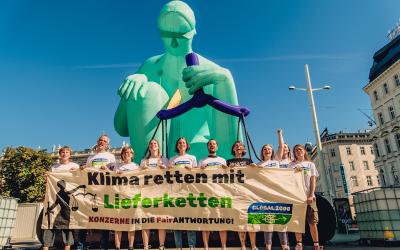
[104,160]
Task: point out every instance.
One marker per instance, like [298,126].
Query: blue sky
[61,63]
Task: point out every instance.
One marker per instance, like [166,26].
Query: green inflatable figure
[164,81]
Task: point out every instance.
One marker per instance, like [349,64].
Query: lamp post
[310,91]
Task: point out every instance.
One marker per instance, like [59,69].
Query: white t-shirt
[309,170]
[269,164]
[212,162]
[125,167]
[100,159]
[153,162]
[285,163]
[64,167]
[181,161]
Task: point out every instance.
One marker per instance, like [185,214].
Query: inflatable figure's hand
[132,86]
[199,76]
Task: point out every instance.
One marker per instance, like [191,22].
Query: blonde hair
[306,157]
[262,149]
[65,148]
[148,149]
[127,148]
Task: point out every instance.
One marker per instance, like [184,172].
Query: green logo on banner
[269,213]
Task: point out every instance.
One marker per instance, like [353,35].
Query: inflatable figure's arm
[132,88]
[199,76]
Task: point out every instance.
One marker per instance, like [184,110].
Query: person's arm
[281,144]
[313,184]
[201,164]
[171,162]
[224,164]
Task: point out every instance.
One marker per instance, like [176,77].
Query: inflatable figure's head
[176,24]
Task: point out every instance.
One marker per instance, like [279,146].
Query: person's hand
[310,199]
[73,170]
[118,171]
[162,166]
[198,76]
[188,167]
[203,167]
[145,167]
[132,86]
[224,166]
[253,165]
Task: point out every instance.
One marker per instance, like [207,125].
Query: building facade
[383,90]
[349,164]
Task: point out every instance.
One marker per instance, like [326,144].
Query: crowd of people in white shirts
[104,160]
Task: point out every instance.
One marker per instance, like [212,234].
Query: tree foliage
[22,173]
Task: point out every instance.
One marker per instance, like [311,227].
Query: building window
[362,149]
[385,88]
[382,178]
[333,152]
[395,175]
[348,150]
[396,80]
[397,138]
[391,112]
[377,150]
[369,181]
[378,180]
[372,150]
[338,182]
[365,164]
[380,117]
[376,96]
[387,145]
[351,165]
[354,181]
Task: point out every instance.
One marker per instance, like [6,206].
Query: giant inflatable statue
[164,81]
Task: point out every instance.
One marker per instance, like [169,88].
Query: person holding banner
[65,165]
[101,160]
[239,150]
[283,156]
[267,156]
[183,160]
[154,159]
[212,161]
[127,154]
[303,163]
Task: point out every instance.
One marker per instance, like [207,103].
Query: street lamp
[310,91]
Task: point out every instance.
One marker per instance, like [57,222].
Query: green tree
[22,173]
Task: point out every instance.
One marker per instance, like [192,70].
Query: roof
[384,58]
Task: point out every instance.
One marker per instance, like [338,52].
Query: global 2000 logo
[269,213]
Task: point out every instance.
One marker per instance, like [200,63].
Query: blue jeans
[191,235]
